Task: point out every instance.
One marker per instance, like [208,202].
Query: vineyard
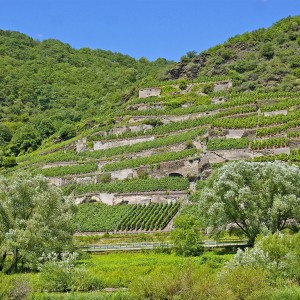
[154,159]
[126,217]
[130,186]
[185,126]
[69,170]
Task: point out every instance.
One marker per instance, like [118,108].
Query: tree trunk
[2,261]
[13,267]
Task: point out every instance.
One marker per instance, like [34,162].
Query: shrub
[153,122]
[182,84]
[186,236]
[267,51]
[67,131]
[208,88]
[244,283]
[8,161]
[105,178]
[14,287]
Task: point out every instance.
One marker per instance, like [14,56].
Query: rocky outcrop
[188,69]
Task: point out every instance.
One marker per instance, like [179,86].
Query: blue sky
[142,28]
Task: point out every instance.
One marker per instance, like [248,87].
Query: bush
[153,122]
[244,283]
[57,275]
[208,88]
[267,51]
[14,287]
[67,131]
[185,283]
[8,161]
[182,84]
[186,236]
[105,178]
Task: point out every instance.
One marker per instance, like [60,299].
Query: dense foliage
[219,143]
[255,197]
[34,219]
[149,217]
[55,89]
[68,170]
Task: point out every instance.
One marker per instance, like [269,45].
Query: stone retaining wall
[133,198]
[276,112]
[102,145]
[218,156]
[222,86]
[149,92]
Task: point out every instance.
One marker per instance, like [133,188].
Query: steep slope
[259,60]
[163,146]
[159,144]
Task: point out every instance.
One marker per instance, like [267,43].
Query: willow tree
[257,197]
[34,219]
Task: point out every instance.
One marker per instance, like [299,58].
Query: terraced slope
[160,147]
[140,140]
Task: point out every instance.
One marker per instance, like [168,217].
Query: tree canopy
[34,219]
[257,197]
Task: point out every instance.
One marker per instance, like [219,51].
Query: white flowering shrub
[278,254]
[58,273]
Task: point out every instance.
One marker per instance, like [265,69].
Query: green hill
[265,59]
[111,129]
[49,85]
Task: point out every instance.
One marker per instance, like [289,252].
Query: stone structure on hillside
[81,145]
[173,118]
[133,198]
[219,156]
[102,145]
[143,106]
[150,92]
[276,112]
[218,100]
[285,150]
[222,86]
[235,133]
[182,168]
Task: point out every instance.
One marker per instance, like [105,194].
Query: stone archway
[175,175]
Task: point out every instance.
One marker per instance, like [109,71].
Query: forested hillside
[50,88]
[50,92]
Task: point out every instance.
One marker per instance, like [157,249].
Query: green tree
[255,197]
[191,54]
[8,161]
[34,219]
[67,131]
[5,134]
[25,140]
[267,51]
[186,236]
